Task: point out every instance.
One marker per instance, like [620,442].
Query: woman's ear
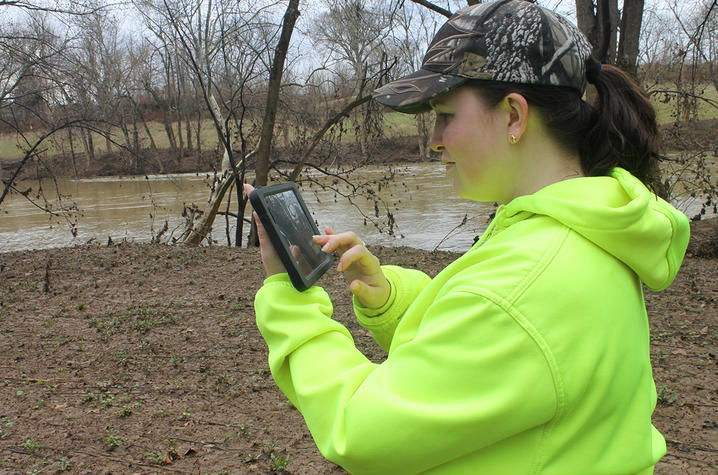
[518,116]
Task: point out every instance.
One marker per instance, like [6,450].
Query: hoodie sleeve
[405,284]
[472,376]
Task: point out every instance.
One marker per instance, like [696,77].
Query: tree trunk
[108,142]
[630,35]
[136,143]
[199,141]
[88,146]
[170,133]
[275,80]
[599,22]
[188,130]
[153,145]
[202,231]
[423,129]
[586,18]
[72,151]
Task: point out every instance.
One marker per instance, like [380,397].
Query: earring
[513,140]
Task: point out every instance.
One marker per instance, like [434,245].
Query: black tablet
[290,228]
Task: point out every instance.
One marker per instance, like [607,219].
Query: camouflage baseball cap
[506,40]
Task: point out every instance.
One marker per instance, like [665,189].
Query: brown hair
[618,130]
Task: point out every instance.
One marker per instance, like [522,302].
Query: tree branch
[433,7]
[320,133]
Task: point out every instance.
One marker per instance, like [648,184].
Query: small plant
[171,449]
[667,396]
[277,462]
[125,411]
[5,425]
[107,400]
[29,446]
[243,429]
[156,457]
[122,357]
[112,440]
[64,464]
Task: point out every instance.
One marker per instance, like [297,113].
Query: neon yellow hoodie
[528,354]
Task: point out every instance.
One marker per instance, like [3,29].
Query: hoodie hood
[618,214]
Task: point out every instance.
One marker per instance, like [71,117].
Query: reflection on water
[424,207]
[421,200]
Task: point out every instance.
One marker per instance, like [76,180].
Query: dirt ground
[145,358]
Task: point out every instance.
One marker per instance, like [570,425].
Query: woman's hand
[361,268]
[270,259]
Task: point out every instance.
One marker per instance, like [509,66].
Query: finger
[355,254]
[248,188]
[270,259]
[341,242]
[358,288]
[368,295]
[322,239]
[261,232]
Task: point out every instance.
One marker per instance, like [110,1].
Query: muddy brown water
[425,210]
[420,198]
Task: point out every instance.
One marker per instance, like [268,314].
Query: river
[420,197]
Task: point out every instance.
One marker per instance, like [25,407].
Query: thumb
[364,292]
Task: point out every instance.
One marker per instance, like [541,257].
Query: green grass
[60,143]
[666,104]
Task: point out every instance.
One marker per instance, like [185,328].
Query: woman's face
[473,142]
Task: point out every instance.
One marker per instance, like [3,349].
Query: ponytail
[619,130]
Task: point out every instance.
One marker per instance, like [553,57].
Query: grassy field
[396,125]
[666,104]
[60,142]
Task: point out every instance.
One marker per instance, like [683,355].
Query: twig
[463,221]
[433,7]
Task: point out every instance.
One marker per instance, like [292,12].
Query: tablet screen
[296,230]
[290,227]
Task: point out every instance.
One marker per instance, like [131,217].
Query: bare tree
[275,81]
[355,33]
[224,44]
[31,104]
[614,33]
[413,30]
[690,170]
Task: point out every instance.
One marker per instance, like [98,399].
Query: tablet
[290,228]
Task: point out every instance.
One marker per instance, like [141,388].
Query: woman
[530,353]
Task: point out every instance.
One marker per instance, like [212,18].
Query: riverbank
[136,358]
[384,151]
[676,137]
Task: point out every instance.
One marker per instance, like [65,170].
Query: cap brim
[411,94]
